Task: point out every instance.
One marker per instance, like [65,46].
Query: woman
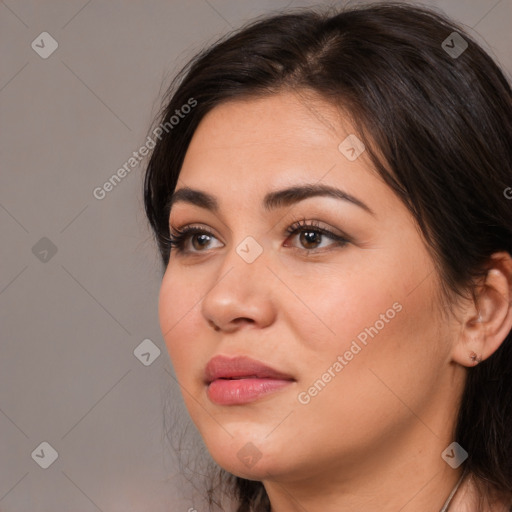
[329,196]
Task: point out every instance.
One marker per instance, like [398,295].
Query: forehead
[277,118]
[268,140]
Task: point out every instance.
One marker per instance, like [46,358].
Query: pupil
[201,240]
[311,237]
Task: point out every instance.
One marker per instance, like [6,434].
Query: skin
[372,438]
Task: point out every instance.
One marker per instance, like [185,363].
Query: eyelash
[180,236]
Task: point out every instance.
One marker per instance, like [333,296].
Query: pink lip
[240,380]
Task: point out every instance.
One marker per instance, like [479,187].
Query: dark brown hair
[437,127]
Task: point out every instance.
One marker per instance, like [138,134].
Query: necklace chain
[452,494]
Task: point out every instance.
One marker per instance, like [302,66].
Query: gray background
[70,321]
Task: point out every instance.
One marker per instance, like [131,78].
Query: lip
[239,380]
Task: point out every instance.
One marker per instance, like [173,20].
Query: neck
[413,478]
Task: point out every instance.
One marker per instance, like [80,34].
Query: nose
[241,294]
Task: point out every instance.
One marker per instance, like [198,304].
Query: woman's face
[353,322]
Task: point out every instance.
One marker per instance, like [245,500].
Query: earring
[475,358]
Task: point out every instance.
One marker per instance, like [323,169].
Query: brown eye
[200,240]
[309,238]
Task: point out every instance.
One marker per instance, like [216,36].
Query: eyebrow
[272,200]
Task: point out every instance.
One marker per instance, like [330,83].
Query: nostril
[243,320]
[212,324]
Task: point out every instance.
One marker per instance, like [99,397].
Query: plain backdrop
[83,365]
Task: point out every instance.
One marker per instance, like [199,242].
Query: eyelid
[190,227]
[303,222]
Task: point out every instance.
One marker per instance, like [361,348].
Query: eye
[194,239]
[311,236]
[199,238]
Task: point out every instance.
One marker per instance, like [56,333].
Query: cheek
[332,307]
[386,349]
[381,321]
[178,305]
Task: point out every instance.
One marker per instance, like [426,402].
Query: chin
[247,457]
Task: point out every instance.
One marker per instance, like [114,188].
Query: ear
[488,321]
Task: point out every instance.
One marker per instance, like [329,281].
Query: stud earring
[475,358]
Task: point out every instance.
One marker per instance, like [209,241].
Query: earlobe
[487,322]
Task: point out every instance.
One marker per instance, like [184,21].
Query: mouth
[241,380]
